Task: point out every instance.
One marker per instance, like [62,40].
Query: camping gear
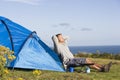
[30,51]
[87,69]
[71,69]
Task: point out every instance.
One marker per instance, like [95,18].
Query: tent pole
[9,33]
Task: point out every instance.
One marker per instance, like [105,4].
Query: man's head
[60,38]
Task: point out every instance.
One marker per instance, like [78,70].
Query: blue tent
[30,51]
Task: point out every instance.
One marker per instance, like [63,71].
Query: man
[61,47]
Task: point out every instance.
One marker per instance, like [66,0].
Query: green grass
[114,73]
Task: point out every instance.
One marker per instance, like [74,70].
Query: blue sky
[86,22]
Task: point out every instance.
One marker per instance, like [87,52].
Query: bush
[100,55]
[5,55]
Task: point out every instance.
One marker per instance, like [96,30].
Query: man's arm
[55,40]
[66,38]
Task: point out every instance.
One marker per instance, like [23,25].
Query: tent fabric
[30,51]
[16,31]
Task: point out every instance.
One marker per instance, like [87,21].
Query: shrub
[5,55]
[100,55]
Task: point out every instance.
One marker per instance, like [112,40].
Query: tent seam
[22,46]
[26,40]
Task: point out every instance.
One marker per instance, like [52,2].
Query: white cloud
[31,2]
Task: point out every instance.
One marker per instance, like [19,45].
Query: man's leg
[103,68]
[81,61]
[94,66]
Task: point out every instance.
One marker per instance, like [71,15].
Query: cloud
[61,25]
[86,29]
[68,26]
[64,24]
[31,2]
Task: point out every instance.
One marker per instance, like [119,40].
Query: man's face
[60,38]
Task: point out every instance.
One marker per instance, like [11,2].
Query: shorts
[76,62]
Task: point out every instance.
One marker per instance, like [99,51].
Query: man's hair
[58,34]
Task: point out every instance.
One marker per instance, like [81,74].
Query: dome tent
[30,51]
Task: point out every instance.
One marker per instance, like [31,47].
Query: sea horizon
[114,49]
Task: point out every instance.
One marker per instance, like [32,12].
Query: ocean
[93,49]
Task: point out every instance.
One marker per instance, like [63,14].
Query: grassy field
[114,73]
